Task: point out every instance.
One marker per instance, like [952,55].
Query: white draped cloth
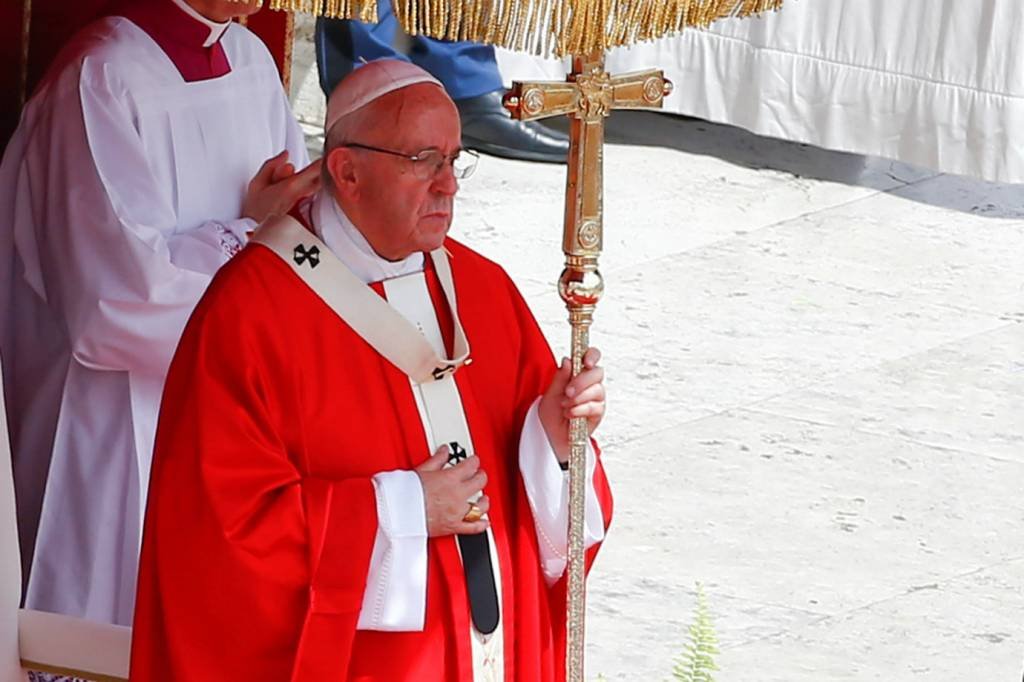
[936,83]
[120,196]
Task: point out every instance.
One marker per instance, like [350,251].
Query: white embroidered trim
[230,244]
[385,567]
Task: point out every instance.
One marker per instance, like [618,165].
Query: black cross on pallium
[302,254]
[457,453]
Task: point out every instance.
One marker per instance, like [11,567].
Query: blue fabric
[465,69]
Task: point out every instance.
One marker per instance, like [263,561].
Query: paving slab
[966,395]
[693,332]
[923,242]
[789,523]
[966,628]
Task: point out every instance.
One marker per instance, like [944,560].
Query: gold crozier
[588,97]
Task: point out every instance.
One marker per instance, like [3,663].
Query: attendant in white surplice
[155,144]
[351,496]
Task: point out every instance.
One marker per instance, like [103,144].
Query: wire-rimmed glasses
[426,164]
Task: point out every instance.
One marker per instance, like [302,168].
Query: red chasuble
[262,516]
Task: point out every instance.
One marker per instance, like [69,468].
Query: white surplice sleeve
[208,246]
[105,241]
[547,488]
[396,586]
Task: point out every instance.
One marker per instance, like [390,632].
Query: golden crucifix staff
[588,96]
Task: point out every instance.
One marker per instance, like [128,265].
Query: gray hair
[356,126]
[345,131]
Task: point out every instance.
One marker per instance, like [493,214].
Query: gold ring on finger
[474,514]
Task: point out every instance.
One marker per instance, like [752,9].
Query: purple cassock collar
[189,39]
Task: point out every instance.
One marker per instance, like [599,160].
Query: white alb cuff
[396,584]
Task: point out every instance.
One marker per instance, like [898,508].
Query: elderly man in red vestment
[359,469]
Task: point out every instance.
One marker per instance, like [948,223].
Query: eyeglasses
[427,164]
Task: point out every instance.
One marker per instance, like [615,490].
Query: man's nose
[444,182]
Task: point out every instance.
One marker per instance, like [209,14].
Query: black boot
[487,127]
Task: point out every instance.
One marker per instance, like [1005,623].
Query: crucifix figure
[588,96]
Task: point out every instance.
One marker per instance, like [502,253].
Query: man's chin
[435,228]
[432,243]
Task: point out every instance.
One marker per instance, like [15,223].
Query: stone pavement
[816,375]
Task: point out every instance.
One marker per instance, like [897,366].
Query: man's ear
[341,167]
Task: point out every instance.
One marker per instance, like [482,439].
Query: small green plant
[697,661]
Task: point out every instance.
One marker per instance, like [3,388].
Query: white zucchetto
[372,81]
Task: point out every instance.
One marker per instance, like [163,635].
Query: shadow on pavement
[743,148]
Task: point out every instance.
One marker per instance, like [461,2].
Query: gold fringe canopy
[544,27]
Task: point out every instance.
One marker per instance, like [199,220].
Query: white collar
[345,240]
[216,28]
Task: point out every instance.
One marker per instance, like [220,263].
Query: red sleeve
[250,570]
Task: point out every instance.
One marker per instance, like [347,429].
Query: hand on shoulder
[277,188]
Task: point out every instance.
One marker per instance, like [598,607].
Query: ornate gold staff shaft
[581,286]
[588,97]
